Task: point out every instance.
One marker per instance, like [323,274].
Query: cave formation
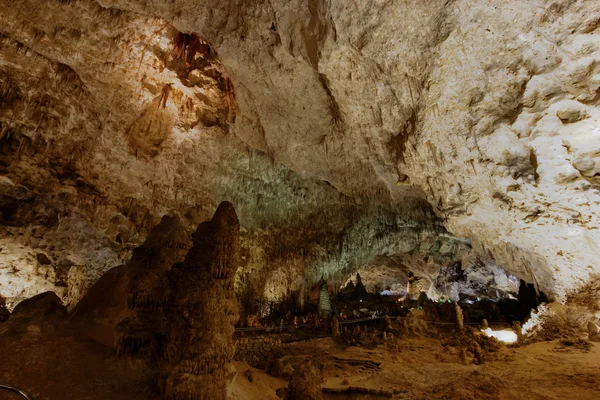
[299,199]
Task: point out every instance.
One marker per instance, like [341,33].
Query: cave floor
[57,363]
[59,368]
[420,368]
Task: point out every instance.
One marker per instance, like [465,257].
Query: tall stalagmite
[324,301]
[199,343]
[149,289]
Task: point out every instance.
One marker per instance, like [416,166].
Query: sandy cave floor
[422,369]
[419,368]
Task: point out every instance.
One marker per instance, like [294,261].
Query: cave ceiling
[342,132]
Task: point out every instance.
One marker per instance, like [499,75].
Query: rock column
[199,343]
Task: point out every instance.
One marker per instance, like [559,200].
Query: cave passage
[353,304]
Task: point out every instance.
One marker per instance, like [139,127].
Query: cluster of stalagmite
[199,343]
[142,329]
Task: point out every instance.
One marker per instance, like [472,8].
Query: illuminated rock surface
[327,125]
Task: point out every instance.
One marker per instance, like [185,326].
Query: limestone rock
[305,383]
[149,288]
[593,332]
[570,115]
[45,307]
[416,321]
[103,306]
[166,245]
[324,301]
[199,343]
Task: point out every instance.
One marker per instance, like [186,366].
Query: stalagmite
[149,290]
[305,383]
[518,331]
[360,291]
[388,323]
[462,356]
[324,302]
[199,344]
[459,316]
[167,244]
[335,327]
[593,332]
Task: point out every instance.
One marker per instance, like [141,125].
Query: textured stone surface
[254,349]
[142,330]
[330,118]
[167,244]
[305,382]
[103,306]
[203,308]
[470,278]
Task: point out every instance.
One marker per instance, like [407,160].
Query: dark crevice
[334,107]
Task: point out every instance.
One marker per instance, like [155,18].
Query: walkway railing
[277,328]
[14,389]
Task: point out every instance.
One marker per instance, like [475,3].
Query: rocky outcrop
[199,342]
[45,307]
[257,348]
[103,306]
[46,355]
[49,244]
